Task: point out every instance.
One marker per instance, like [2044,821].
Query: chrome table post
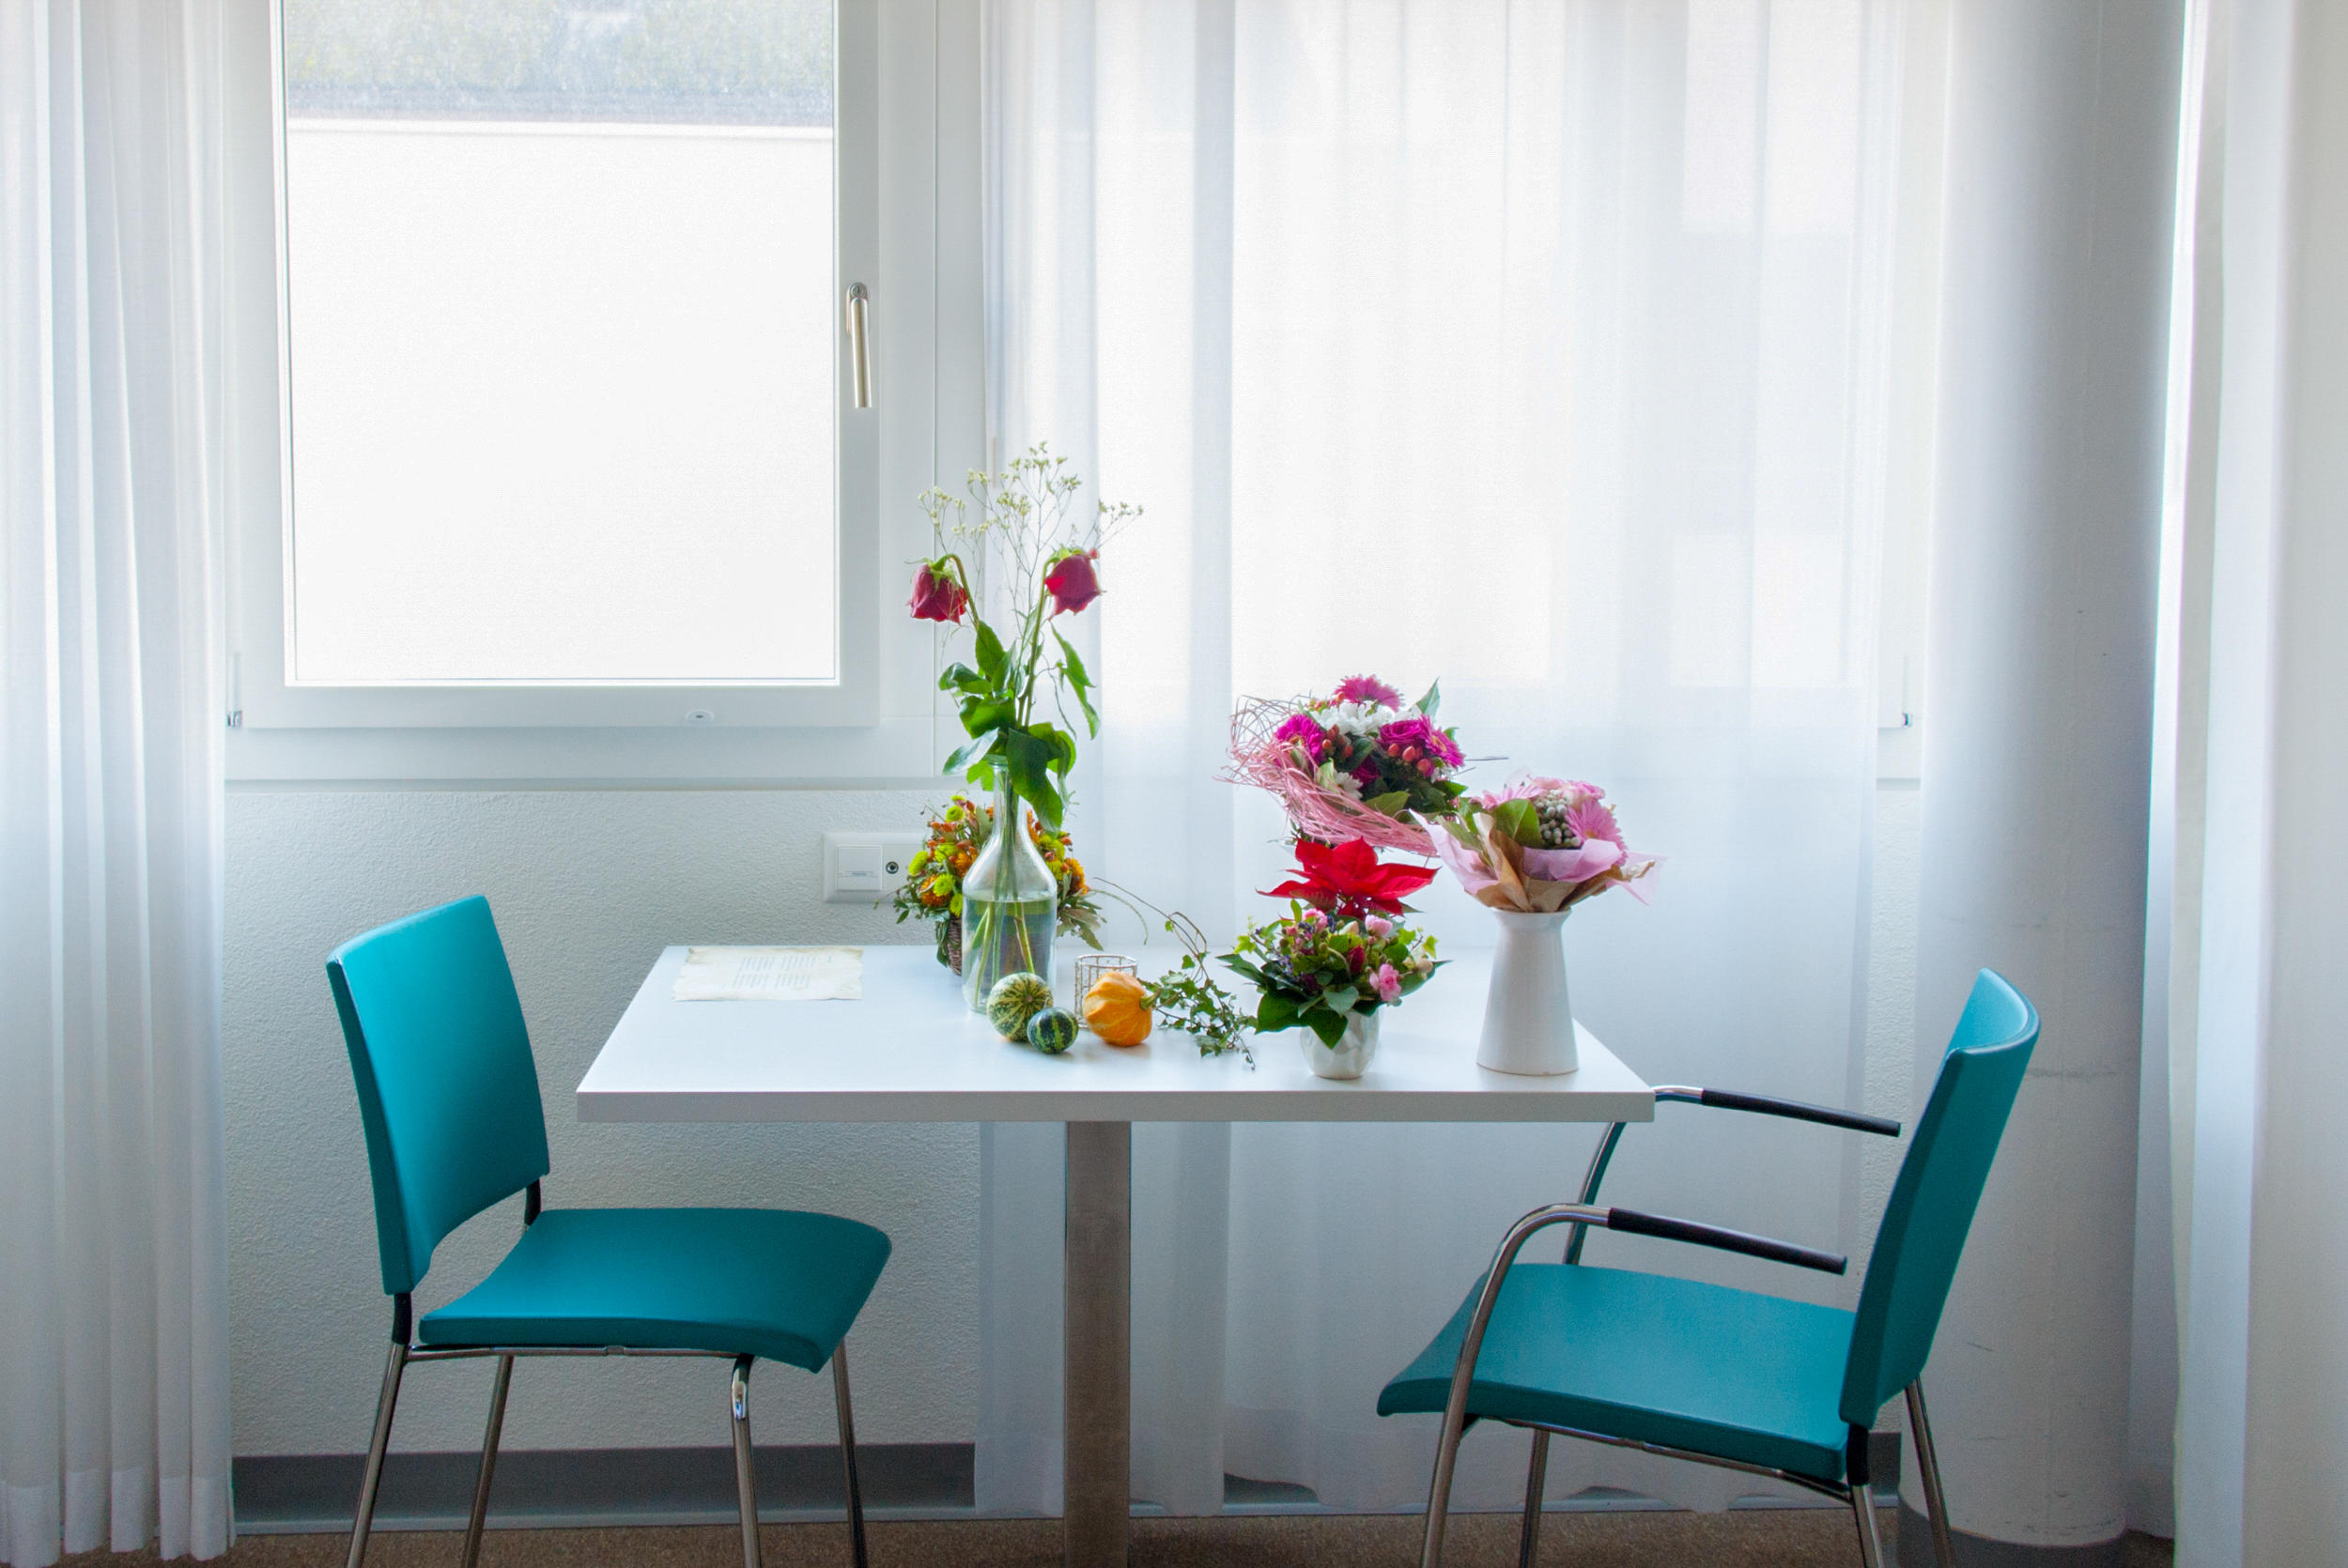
[1095,1391]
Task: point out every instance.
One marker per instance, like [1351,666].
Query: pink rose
[937,595]
[1378,927]
[1389,984]
[1073,582]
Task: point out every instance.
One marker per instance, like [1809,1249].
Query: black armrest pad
[1794,1110]
[1636,1223]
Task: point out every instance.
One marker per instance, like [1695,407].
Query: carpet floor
[1747,1538]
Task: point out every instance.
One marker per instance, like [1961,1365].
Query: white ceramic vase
[1528,1017]
[1348,1058]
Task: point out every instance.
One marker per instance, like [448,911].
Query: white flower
[1340,783]
[1365,719]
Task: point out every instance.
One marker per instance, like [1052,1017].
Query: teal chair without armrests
[449,1095]
[1722,1376]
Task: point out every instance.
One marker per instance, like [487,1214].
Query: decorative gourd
[1016,998]
[1052,1031]
[1118,1007]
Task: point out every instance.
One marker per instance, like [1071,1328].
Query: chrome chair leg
[1439,1491]
[1928,1471]
[480,1519]
[848,1450]
[376,1446]
[744,1480]
[1535,1479]
[1862,1502]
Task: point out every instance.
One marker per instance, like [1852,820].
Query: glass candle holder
[1090,967]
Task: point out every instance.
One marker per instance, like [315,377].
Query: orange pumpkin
[1118,1007]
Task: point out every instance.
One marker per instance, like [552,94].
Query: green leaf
[1433,700]
[1276,1012]
[993,662]
[1520,820]
[1030,757]
[981,715]
[1328,1025]
[1390,804]
[966,760]
[1073,672]
[960,677]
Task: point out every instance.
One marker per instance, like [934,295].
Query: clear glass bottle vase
[1009,905]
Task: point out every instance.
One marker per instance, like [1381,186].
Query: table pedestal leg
[1096,1390]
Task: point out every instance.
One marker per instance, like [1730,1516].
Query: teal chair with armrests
[1722,1376]
[448,1094]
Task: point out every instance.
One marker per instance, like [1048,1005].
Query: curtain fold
[1542,349]
[114,1401]
[2257,654]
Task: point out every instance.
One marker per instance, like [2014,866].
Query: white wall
[588,885]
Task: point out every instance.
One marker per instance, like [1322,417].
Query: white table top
[911,1052]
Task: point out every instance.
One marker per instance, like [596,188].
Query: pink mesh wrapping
[1258,760]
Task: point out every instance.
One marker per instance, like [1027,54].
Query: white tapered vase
[1528,1016]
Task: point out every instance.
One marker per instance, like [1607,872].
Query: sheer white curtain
[2256,656]
[1539,347]
[114,1346]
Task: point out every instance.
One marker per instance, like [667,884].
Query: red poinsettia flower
[938,595]
[1073,582]
[1347,880]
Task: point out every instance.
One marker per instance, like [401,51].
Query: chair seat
[770,1283]
[1655,1359]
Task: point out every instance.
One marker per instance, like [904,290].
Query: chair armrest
[1792,1110]
[1631,1221]
[1581,1216]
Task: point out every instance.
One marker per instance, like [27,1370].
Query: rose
[1389,984]
[938,593]
[1072,581]
[1417,743]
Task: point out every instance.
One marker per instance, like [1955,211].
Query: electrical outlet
[866,867]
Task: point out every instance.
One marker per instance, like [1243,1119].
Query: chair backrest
[1933,1201]
[447,1088]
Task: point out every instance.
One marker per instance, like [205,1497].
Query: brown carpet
[1748,1538]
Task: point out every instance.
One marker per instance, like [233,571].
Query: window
[567,381]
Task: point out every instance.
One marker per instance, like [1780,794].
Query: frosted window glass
[562,333]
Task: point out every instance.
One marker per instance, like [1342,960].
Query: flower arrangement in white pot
[1531,850]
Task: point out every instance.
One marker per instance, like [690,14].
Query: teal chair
[1722,1376]
[449,1096]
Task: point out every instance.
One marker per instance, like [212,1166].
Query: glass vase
[1010,906]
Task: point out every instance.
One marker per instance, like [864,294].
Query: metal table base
[1096,1391]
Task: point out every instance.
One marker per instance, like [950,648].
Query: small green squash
[1052,1031]
[1016,998]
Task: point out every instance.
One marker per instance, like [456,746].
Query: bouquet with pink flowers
[1538,845]
[1358,763]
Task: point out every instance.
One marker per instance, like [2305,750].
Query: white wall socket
[866,867]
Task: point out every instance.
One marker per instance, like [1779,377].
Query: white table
[911,1052]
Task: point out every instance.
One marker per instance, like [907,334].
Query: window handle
[859,357]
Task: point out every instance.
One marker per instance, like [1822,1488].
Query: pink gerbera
[1368,688]
[1592,818]
[1305,730]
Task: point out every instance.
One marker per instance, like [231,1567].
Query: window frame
[264,698]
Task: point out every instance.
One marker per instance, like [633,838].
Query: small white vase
[1528,1017]
[1348,1058]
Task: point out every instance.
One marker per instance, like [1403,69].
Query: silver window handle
[859,357]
